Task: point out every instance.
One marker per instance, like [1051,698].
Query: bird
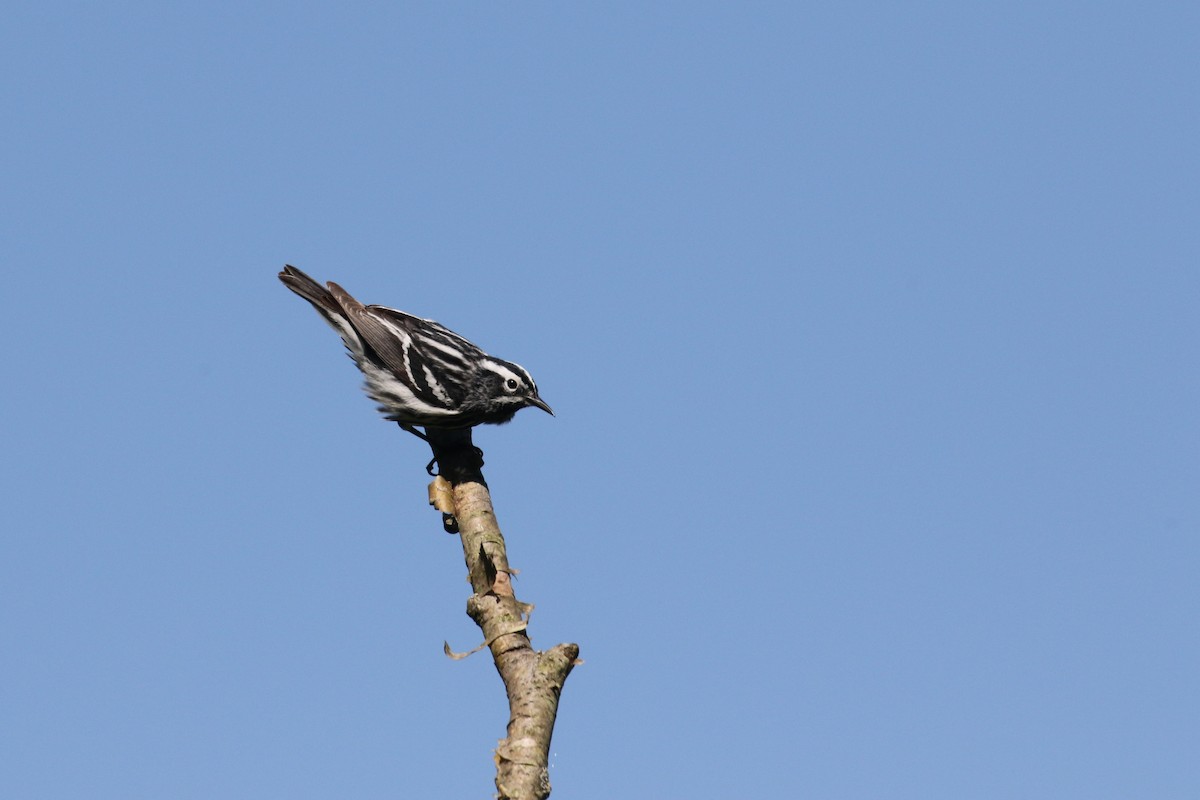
[418,371]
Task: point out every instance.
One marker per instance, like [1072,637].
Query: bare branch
[533,680]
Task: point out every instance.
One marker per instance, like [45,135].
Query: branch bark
[533,680]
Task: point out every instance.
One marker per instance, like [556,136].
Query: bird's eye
[511,384]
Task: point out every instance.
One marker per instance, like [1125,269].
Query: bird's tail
[303,285]
[323,300]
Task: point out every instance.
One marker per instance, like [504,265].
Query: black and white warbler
[419,372]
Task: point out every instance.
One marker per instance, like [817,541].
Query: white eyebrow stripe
[505,372]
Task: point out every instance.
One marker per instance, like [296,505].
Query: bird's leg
[404,426]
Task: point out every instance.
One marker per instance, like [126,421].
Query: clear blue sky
[871,330]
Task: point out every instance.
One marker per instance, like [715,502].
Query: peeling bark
[533,680]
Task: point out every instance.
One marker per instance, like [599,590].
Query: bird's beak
[540,403]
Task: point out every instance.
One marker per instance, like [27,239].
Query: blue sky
[871,330]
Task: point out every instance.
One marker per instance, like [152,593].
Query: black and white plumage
[419,372]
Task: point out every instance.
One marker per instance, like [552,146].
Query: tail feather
[302,284]
[325,304]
